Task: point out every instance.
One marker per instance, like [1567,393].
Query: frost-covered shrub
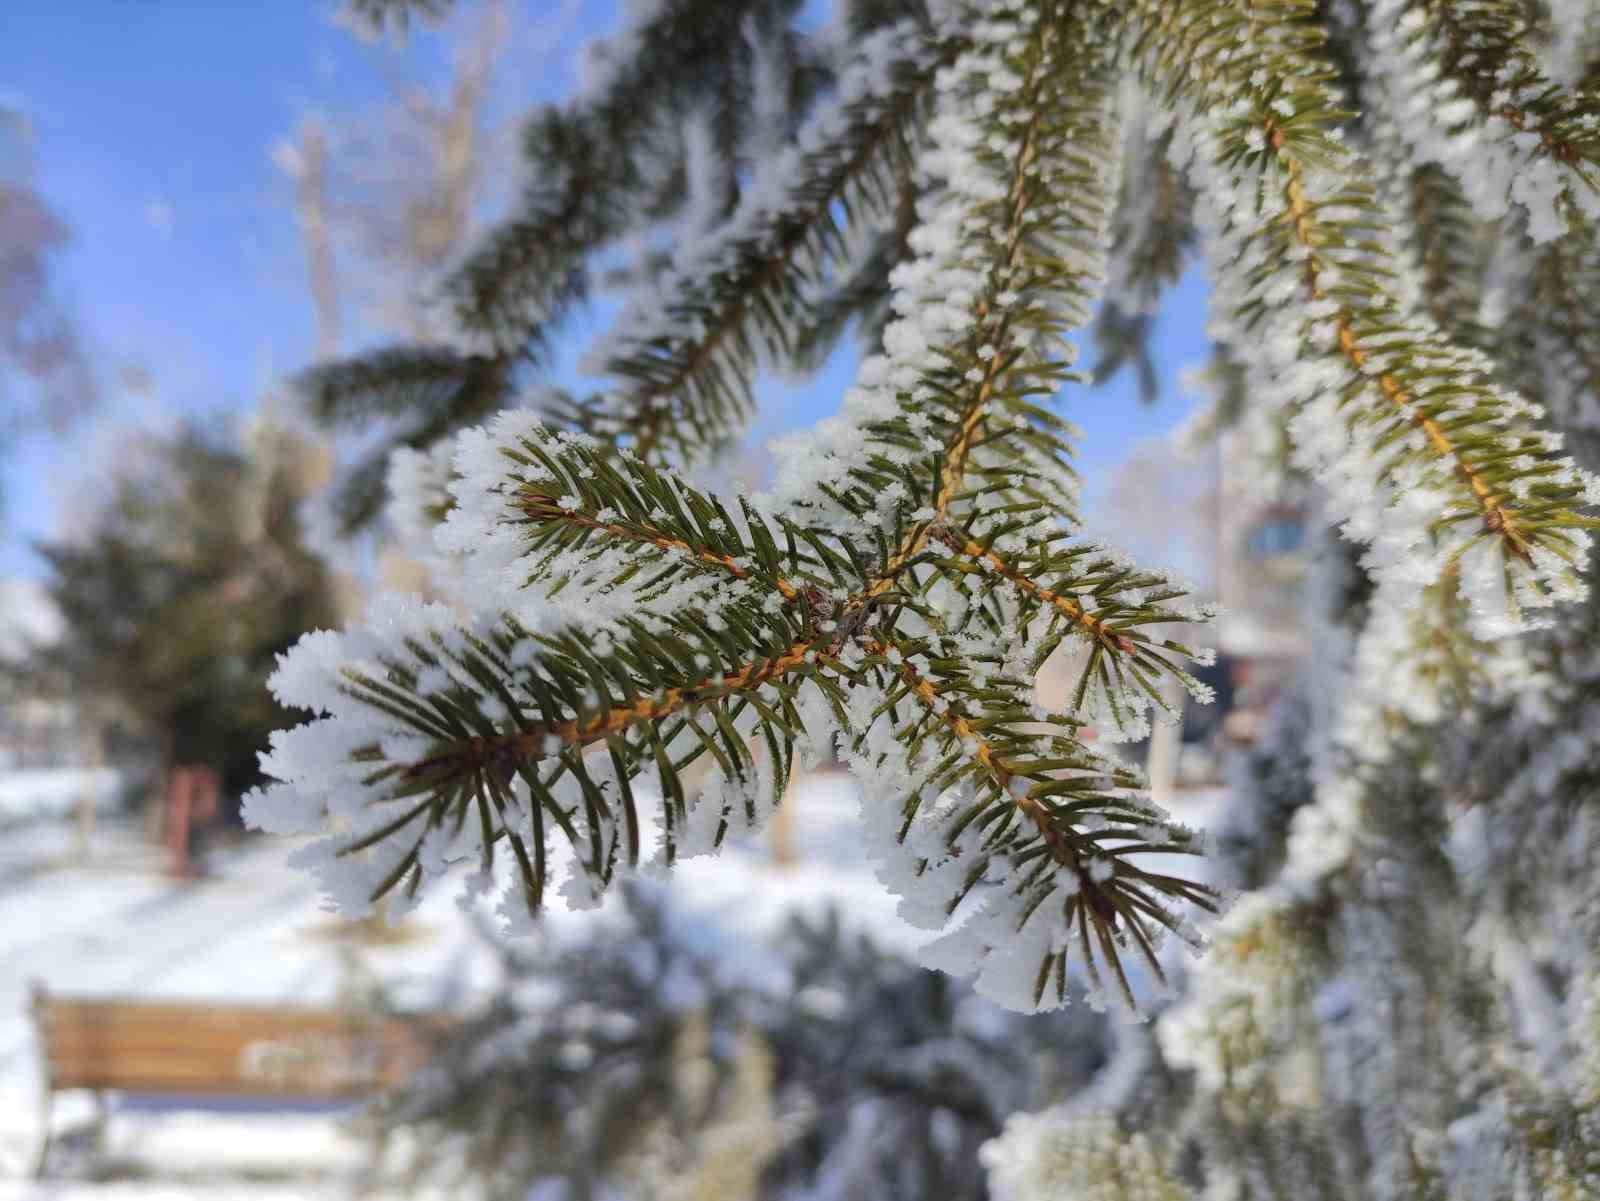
[625,1061]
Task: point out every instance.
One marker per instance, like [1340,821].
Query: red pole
[180,792]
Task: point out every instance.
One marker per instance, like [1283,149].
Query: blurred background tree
[175,604]
[45,375]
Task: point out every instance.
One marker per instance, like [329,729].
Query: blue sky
[152,126]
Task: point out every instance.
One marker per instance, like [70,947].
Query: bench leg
[102,1121]
[41,1161]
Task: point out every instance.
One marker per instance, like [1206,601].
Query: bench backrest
[224,1050]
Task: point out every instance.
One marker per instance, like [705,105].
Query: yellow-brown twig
[543,508]
[529,742]
[1096,627]
[1055,837]
[960,447]
[1496,517]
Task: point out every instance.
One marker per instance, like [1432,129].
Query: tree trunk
[88,798]
[1166,740]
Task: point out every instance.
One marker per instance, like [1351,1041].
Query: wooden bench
[205,1051]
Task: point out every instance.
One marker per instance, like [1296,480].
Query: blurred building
[1261,565]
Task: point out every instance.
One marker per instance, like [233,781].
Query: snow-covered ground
[255,931]
[28,794]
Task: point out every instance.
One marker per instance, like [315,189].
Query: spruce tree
[1401,1002]
[1395,202]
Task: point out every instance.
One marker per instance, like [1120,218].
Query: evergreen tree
[1395,200]
[177,601]
[1401,1003]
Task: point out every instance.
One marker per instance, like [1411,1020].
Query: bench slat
[191,1010]
[164,1076]
[248,1059]
[100,1014]
[238,1050]
[134,1072]
[66,1039]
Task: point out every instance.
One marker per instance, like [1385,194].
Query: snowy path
[253,932]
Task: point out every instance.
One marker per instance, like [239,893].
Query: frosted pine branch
[1464,86]
[704,625]
[689,344]
[598,175]
[1085,1156]
[1427,459]
[646,661]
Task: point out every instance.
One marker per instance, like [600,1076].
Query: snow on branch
[1112,602]
[439,742]
[560,520]
[987,782]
